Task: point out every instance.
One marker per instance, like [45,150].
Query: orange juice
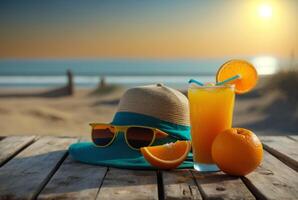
[211,112]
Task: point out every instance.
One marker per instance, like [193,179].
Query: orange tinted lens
[138,137]
[102,137]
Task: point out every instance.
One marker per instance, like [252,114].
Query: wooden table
[40,168]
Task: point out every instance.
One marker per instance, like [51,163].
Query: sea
[42,73]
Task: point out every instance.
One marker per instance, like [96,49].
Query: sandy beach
[37,112]
[27,112]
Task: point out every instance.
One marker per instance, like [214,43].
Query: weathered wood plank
[74,180]
[10,146]
[129,184]
[25,175]
[221,186]
[273,180]
[284,148]
[180,184]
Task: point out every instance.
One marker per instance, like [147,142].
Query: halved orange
[167,156]
[246,70]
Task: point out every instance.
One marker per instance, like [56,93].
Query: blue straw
[229,79]
[196,82]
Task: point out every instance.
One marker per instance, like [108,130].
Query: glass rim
[195,86]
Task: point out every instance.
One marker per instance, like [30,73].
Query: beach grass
[286,82]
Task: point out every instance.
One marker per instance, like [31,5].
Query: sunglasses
[136,137]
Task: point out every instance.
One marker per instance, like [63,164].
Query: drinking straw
[238,76]
[196,82]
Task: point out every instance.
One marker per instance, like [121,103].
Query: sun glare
[265,65]
[265,11]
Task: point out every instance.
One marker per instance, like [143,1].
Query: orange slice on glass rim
[248,75]
[167,156]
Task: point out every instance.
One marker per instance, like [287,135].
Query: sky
[147,29]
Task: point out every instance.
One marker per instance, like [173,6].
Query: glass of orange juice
[211,112]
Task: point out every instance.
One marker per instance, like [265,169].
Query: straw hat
[158,101]
[156,106]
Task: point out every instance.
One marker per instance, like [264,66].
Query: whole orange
[237,151]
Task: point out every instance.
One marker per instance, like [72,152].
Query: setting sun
[265,11]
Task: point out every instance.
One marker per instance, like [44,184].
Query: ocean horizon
[128,72]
